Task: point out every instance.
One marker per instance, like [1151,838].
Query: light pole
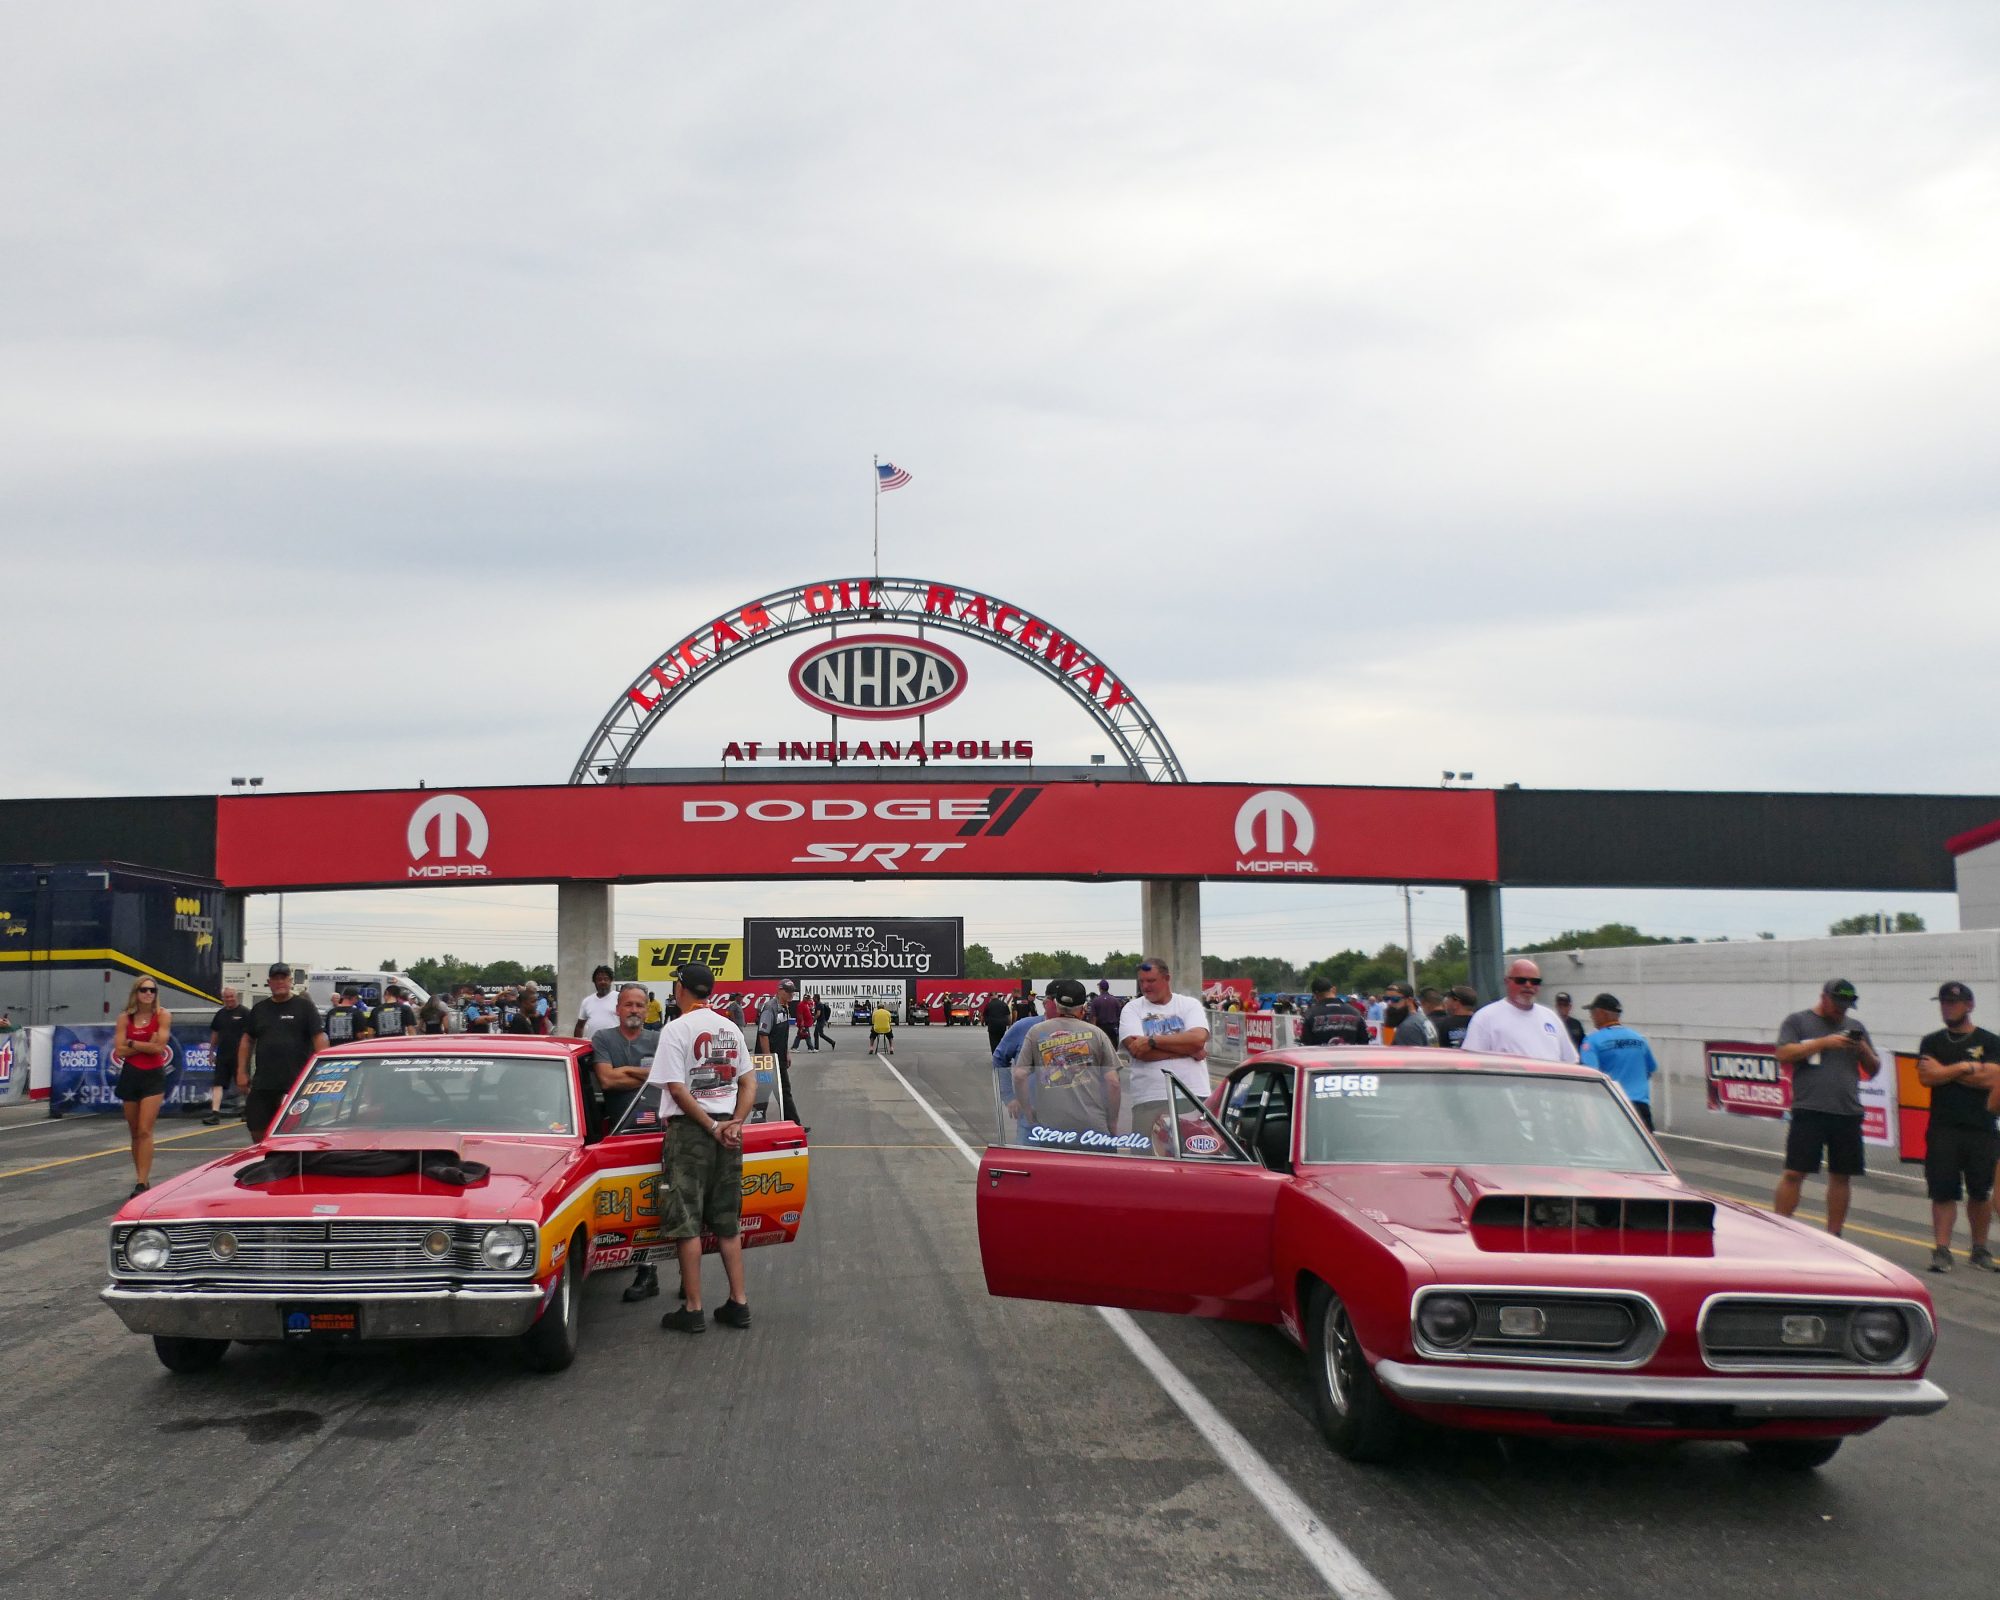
[1409,943]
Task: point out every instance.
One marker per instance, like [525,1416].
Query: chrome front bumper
[253,1315]
[1612,1396]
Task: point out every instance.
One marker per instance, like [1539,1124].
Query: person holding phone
[141,1043]
[1830,1053]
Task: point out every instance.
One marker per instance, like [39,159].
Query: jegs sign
[878,676]
[912,947]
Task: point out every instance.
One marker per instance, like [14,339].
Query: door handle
[995,1174]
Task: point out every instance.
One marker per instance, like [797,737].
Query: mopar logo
[1277,811]
[878,676]
[443,815]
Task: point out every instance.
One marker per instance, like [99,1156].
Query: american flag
[889,476]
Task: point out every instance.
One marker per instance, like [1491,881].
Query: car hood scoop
[1617,1214]
[445,1165]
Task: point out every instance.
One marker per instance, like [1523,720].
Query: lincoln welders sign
[896,947]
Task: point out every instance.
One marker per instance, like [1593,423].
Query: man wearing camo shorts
[708,1090]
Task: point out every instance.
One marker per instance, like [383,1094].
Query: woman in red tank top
[142,1044]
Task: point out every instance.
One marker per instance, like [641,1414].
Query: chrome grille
[1612,1328]
[337,1250]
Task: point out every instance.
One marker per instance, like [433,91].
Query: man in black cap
[1830,1053]
[282,1035]
[1571,1025]
[1404,1024]
[1960,1065]
[1329,1019]
[774,1038]
[1073,1070]
[1460,1001]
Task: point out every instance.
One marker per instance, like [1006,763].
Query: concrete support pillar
[1170,915]
[1485,945]
[583,941]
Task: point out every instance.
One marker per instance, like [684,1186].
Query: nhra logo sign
[440,820]
[878,677]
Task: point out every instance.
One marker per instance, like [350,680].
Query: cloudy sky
[1587,395]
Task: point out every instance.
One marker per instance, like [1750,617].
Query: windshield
[1473,1119]
[463,1094]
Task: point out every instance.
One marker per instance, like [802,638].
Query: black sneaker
[1982,1258]
[684,1321]
[137,1190]
[1940,1261]
[645,1285]
[213,1119]
[733,1314]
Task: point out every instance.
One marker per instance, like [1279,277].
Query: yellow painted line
[115,1150]
[1852,1227]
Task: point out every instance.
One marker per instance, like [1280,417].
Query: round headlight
[147,1249]
[1447,1320]
[437,1244]
[503,1248]
[1879,1334]
[223,1246]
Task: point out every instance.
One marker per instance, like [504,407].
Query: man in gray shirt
[1411,1026]
[1074,1072]
[623,1057]
[1830,1053]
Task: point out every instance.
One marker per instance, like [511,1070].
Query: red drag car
[1475,1240]
[437,1187]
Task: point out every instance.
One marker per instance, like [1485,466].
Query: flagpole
[878,516]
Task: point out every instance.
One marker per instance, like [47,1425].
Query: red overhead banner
[404,838]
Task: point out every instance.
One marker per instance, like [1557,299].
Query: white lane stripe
[1339,1567]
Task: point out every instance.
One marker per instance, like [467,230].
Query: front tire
[1793,1455]
[189,1355]
[550,1345]
[1354,1414]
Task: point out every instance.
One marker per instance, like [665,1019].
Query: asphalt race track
[885,1428]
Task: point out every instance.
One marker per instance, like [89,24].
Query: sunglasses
[1527,983]
[147,988]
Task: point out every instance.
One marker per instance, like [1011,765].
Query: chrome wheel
[1342,1354]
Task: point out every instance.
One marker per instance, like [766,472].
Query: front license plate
[322,1321]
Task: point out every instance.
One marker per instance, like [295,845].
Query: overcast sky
[1588,395]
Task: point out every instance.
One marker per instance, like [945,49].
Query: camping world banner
[85,1073]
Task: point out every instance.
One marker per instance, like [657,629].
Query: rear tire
[1794,1455]
[550,1345]
[189,1355]
[1354,1414]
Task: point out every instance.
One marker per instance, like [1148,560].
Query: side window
[1188,1133]
[1258,1115]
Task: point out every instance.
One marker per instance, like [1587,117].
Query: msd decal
[443,815]
[1276,811]
[878,676]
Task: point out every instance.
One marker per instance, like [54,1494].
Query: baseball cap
[1840,989]
[1464,994]
[786,983]
[279,970]
[1400,988]
[1065,992]
[1563,996]
[1103,985]
[1953,991]
[1607,1002]
[695,977]
[1322,986]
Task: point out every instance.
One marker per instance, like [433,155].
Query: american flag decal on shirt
[889,476]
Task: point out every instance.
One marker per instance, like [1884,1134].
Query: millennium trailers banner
[836,947]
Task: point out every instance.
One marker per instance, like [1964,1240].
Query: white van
[321,982]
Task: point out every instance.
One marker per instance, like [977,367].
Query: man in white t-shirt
[1163,1033]
[708,1090]
[1516,1025]
[600,1008]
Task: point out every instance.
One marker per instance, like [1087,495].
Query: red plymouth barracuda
[1476,1241]
[452,1186]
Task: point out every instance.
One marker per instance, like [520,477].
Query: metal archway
[919,602]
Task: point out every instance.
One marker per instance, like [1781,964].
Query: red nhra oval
[878,677]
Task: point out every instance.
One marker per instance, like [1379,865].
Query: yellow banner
[659,957]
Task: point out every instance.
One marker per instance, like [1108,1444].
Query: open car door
[1174,1218]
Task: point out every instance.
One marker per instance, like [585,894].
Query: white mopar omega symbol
[447,811]
[1274,807]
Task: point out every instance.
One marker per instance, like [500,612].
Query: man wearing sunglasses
[1517,1025]
[1164,1034]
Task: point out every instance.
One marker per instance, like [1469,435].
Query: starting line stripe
[94,1155]
[1339,1567]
